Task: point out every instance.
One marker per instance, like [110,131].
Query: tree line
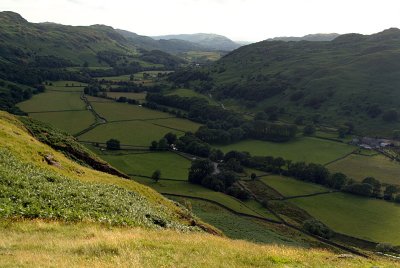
[221,125]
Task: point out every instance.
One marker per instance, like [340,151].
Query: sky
[240,20]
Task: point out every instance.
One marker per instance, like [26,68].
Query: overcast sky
[250,20]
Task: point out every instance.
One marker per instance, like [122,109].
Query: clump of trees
[316,227]
[310,172]
[224,126]
[204,172]
[113,144]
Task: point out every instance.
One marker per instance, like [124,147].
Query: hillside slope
[173,46]
[39,182]
[353,78]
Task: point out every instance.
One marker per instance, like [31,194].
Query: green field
[307,149]
[71,122]
[172,166]
[186,188]
[114,111]
[53,101]
[137,133]
[116,78]
[365,218]
[292,187]
[359,167]
[130,95]
[60,107]
[183,92]
[237,227]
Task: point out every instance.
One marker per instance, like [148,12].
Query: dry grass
[41,244]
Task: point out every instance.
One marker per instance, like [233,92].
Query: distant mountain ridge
[308,37]
[173,46]
[210,41]
[353,78]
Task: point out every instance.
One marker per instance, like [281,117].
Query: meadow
[114,111]
[307,149]
[61,107]
[70,122]
[53,101]
[188,189]
[291,187]
[135,133]
[183,92]
[359,167]
[129,95]
[361,217]
[172,166]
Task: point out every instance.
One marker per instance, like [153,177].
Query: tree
[131,77]
[163,144]
[261,116]
[364,189]
[309,130]
[342,131]
[156,176]
[170,137]
[113,144]
[337,181]
[253,176]
[390,116]
[390,191]
[199,170]
[375,184]
[396,134]
[154,146]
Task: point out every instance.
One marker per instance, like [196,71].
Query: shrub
[316,227]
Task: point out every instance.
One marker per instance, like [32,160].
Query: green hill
[31,53]
[353,78]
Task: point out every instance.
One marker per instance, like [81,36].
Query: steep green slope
[38,182]
[173,46]
[352,78]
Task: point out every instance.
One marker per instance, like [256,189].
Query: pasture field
[186,188]
[365,218]
[139,133]
[359,166]
[70,122]
[130,95]
[292,187]
[116,78]
[183,125]
[183,92]
[172,166]
[237,227]
[53,101]
[202,56]
[114,111]
[307,149]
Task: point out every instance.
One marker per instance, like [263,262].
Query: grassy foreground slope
[88,245]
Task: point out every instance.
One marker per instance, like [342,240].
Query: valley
[119,149]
